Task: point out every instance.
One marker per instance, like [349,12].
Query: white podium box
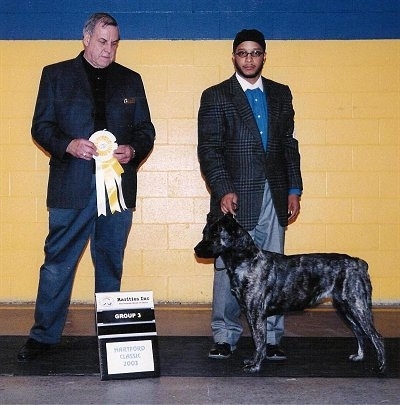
[127,335]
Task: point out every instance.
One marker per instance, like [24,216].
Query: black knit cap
[249,35]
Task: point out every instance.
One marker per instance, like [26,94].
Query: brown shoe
[31,349]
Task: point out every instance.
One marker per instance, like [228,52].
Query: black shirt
[98,80]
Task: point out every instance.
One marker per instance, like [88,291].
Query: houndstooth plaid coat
[231,156]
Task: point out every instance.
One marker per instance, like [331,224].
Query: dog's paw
[251,367]
[356,357]
[248,362]
[380,369]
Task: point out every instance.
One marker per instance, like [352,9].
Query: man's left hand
[124,153]
[293,207]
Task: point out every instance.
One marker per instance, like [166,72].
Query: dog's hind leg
[365,323]
[345,313]
[361,323]
[258,329]
[377,341]
[353,301]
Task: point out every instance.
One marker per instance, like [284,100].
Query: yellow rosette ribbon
[108,173]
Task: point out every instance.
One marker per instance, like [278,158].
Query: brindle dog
[267,283]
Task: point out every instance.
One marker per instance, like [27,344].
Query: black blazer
[65,110]
[230,150]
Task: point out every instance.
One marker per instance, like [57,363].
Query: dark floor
[194,320]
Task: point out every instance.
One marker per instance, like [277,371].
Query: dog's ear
[229,219]
[231,223]
[213,217]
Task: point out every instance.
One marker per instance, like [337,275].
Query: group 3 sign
[127,336]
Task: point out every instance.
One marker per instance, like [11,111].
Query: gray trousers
[225,323]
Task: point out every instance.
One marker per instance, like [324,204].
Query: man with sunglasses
[251,163]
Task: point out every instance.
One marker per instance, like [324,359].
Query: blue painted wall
[205,19]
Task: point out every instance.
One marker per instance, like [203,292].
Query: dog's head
[221,234]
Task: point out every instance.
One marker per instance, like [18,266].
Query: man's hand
[293,207]
[229,203]
[82,149]
[124,153]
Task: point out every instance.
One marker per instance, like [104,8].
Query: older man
[78,98]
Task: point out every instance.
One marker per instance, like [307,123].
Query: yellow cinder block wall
[346,97]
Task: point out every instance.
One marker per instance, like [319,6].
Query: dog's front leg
[258,329]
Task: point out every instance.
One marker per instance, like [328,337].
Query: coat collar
[81,77]
[239,99]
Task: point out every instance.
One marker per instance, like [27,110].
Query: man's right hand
[229,203]
[82,149]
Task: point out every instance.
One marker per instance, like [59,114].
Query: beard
[248,75]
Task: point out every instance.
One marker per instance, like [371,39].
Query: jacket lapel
[239,99]
[272,102]
[81,77]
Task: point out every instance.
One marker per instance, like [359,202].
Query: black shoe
[220,351]
[32,349]
[274,352]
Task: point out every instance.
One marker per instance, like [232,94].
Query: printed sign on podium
[127,336]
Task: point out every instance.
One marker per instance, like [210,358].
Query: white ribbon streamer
[108,174]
